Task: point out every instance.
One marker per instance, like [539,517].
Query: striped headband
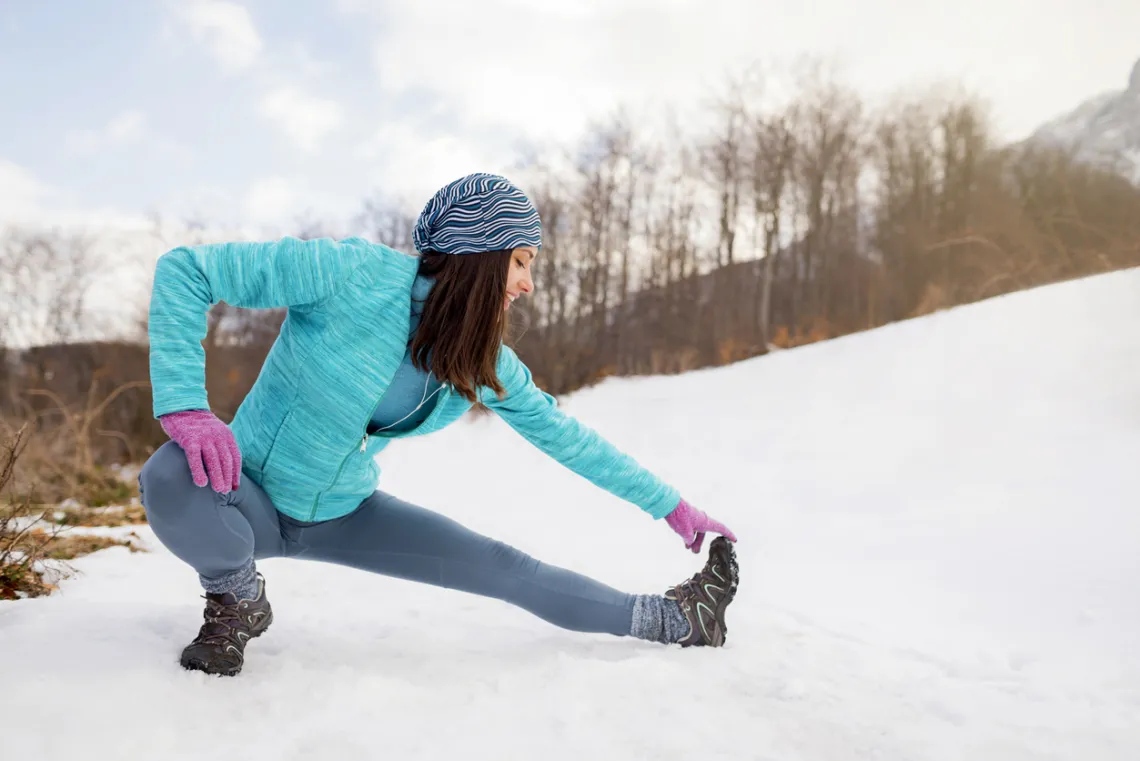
[477,213]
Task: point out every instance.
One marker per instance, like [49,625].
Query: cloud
[21,192]
[418,163]
[130,130]
[226,28]
[546,69]
[28,200]
[305,119]
[549,85]
[127,127]
[271,199]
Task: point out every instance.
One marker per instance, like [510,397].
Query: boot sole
[197,664]
[724,549]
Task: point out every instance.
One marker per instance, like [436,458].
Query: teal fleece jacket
[302,428]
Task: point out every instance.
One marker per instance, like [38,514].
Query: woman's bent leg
[219,535]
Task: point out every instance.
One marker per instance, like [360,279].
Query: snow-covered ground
[938,526]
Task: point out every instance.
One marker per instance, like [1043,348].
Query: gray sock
[658,620]
[242,582]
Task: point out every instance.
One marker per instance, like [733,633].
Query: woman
[380,345]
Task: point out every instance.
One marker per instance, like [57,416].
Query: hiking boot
[219,647]
[704,597]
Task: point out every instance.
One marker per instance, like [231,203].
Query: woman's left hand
[691,525]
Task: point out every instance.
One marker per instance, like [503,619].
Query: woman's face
[518,278]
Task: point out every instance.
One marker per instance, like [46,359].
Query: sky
[259,111]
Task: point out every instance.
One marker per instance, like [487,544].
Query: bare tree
[47,279]
[773,159]
[723,160]
[386,221]
[905,201]
[827,168]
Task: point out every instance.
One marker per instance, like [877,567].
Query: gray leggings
[217,534]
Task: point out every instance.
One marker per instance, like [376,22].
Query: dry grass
[54,482]
[22,545]
[35,543]
[60,459]
[132,514]
[24,564]
[70,546]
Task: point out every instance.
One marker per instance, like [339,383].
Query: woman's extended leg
[392,537]
[389,536]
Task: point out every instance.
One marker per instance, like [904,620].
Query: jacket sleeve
[535,415]
[190,279]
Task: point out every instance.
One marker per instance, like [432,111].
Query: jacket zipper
[363,448]
[343,462]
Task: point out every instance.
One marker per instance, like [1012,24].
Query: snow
[938,534]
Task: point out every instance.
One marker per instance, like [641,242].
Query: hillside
[938,534]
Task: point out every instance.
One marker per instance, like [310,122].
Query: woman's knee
[510,559]
[164,480]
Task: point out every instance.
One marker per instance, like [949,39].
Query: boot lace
[692,585]
[221,622]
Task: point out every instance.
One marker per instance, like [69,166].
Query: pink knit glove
[209,445]
[691,524]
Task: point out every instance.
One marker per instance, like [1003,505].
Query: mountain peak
[1104,130]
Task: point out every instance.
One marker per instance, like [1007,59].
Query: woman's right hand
[210,448]
[691,524]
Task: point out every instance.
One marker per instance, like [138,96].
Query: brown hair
[463,323]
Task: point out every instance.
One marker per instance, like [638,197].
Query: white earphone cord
[423,401]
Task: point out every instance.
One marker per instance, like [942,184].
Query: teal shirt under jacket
[303,427]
